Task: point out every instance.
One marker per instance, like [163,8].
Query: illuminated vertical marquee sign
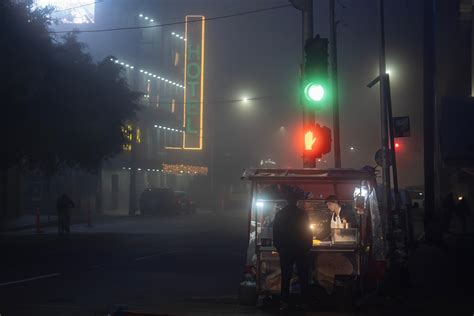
[194,82]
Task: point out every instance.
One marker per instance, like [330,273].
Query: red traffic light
[309,140]
[317,141]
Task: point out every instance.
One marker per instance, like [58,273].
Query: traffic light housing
[315,87]
[317,142]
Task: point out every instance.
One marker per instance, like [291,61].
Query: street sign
[401,126]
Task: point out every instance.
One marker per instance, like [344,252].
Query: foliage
[60,108]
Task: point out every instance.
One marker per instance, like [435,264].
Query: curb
[55,223]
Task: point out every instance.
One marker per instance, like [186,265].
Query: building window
[127,131]
[139,136]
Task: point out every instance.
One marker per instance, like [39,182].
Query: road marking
[157,254]
[31,279]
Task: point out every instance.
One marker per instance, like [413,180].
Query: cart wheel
[248,295]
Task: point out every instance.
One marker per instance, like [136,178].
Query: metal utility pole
[429,99]
[393,158]
[308,114]
[398,274]
[306,8]
[386,198]
[335,87]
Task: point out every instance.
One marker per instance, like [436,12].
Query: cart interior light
[259,204]
[361,191]
[460,198]
[312,226]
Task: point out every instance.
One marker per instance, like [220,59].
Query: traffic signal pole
[386,198]
[315,87]
[335,88]
[308,114]
[398,272]
[429,101]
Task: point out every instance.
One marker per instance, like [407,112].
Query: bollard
[38,221]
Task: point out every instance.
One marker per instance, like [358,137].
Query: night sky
[258,55]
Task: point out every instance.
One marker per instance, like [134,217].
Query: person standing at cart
[293,239]
[340,214]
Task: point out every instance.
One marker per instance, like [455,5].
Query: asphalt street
[154,263]
[187,265]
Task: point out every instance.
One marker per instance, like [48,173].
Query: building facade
[165,146]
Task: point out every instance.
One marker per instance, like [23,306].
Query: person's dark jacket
[348,213]
[291,231]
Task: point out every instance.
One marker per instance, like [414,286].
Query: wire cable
[217,101]
[172,23]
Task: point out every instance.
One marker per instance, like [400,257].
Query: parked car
[165,201]
[158,201]
[185,204]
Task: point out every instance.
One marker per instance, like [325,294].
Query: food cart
[350,253]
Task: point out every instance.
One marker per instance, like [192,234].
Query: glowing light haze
[71,11]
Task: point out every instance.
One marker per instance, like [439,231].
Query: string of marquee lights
[146,18]
[169,129]
[146,73]
[176,169]
[172,23]
[178,36]
[155,76]
[229,100]
[151,20]
[184,169]
[143,169]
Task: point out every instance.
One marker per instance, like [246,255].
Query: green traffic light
[314,92]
